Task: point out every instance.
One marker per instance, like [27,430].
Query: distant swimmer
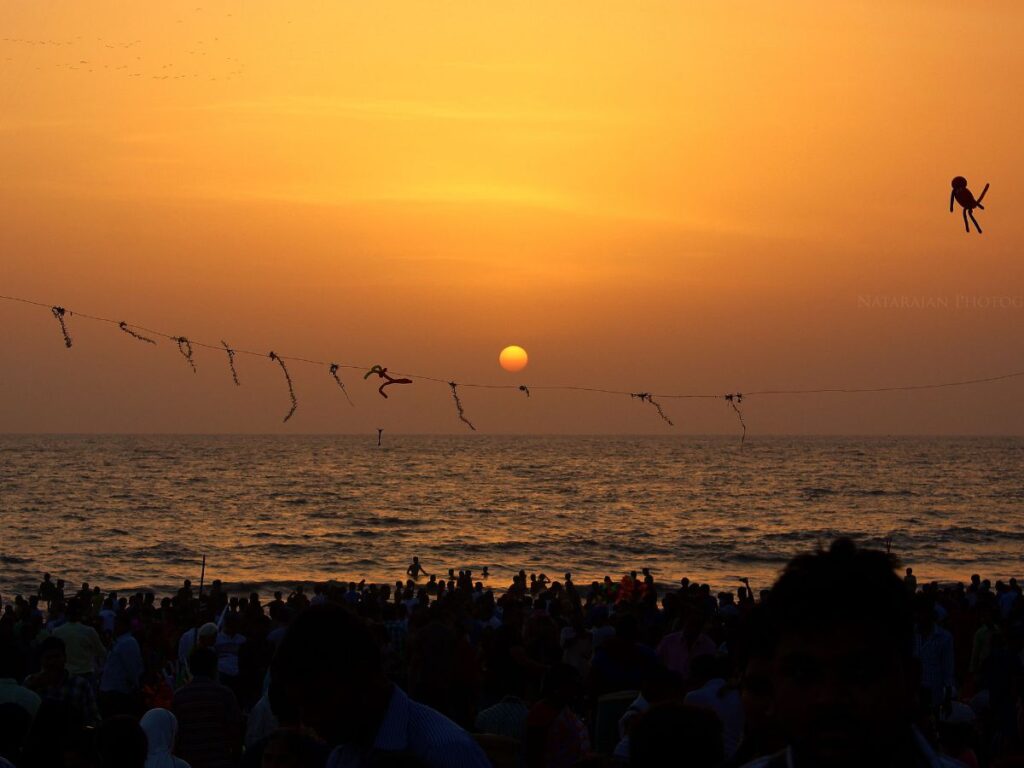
[961,194]
[910,581]
[415,570]
[486,573]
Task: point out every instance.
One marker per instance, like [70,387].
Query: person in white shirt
[107,615]
[228,645]
[721,698]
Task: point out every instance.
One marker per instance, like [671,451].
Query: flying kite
[389,380]
[961,194]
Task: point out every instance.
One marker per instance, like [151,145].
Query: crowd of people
[842,662]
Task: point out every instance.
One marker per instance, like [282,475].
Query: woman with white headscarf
[161,728]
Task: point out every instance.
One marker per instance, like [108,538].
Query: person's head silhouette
[327,671]
[845,681]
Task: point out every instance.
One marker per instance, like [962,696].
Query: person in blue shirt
[327,675]
[122,673]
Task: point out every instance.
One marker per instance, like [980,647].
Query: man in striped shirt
[55,682]
[209,719]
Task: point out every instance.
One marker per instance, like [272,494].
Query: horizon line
[479,435]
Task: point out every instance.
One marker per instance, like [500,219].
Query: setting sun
[513,358]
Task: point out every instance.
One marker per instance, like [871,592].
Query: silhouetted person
[670,735]
[678,649]
[15,722]
[10,691]
[184,597]
[47,589]
[209,720]
[293,748]
[415,569]
[961,194]
[910,581]
[328,671]
[844,677]
[712,674]
[161,729]
[555,735]
[82,644]
[120,743]
[622,662]
[55,682]
[933,647]
[228,646]
[753,649]
[54,732]
[121,681]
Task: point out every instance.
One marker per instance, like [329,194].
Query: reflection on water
[140,511]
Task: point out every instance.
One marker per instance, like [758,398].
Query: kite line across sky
[734,400]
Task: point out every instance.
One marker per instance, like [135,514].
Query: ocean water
[267,511]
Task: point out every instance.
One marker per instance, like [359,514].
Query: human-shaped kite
[389,380]
[961,194]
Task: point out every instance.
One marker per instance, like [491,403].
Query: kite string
[124,327]
[231,362]
[334,374]
[185,347]
[287,377]
[645,397]
[569,388]
[734,399]
[59,312]
[458,405]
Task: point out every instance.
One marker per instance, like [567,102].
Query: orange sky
[650,195]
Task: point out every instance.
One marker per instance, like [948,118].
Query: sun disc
[513,358]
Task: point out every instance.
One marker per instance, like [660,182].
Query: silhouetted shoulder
[784,759]
[778,760]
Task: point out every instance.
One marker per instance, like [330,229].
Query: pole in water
[379,433]
[202,575]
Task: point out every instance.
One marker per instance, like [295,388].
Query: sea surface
[130,512]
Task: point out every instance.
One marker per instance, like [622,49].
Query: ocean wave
[818,491]
[879,492]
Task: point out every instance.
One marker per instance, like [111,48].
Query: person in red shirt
[555,735]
